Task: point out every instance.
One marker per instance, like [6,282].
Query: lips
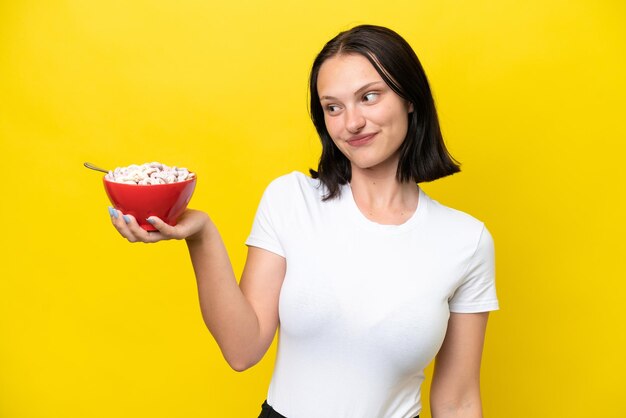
[360,140]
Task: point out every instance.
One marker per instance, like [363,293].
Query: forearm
[226,312]
[460,412]
[455,388]
[466,406]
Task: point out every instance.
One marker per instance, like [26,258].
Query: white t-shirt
[364,307]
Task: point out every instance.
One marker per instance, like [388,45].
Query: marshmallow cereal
[148,174]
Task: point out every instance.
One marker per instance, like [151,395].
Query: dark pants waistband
[268,412]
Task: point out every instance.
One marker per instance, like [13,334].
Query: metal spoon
[93,167]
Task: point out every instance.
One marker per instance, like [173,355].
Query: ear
[410,107]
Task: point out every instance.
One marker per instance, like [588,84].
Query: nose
[354,120]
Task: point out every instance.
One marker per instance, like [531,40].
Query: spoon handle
[93,167]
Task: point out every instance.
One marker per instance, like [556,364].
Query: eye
[331,109]
[370,97]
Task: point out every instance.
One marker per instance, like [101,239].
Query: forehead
[345,73]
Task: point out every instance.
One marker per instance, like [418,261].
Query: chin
[365,165]
[372,163]
[362,164]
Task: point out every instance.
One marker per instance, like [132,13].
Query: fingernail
[126,219]
[113,212]
[150,221]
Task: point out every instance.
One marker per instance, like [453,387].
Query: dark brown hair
[423,155]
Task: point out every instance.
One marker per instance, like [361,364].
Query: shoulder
[291,197]
[453,222]
[293,185]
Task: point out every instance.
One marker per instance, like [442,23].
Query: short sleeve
[477,291]
[265,228]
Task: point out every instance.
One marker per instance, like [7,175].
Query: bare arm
[242,318]
[455,389]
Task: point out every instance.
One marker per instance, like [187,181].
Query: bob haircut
[423,155]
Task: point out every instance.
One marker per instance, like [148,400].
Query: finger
[165,229]
[119,222]
[141,234]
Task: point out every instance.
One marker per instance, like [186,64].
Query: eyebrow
[356,93]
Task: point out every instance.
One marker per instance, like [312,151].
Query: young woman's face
[365,118]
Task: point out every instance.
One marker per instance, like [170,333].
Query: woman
[367,276]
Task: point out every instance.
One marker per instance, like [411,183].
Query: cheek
[399,121]
[332,126]
[388,115]
[403,125]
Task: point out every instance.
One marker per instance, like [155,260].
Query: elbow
[240,364]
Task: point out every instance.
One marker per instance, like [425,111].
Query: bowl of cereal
[151,189]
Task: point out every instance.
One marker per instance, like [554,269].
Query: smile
[360,140]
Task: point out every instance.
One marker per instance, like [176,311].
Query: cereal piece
[149,173]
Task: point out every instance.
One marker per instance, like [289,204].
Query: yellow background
[531,99]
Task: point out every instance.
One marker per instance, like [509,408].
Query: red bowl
[167,201]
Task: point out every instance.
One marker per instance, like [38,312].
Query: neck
[381,197]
